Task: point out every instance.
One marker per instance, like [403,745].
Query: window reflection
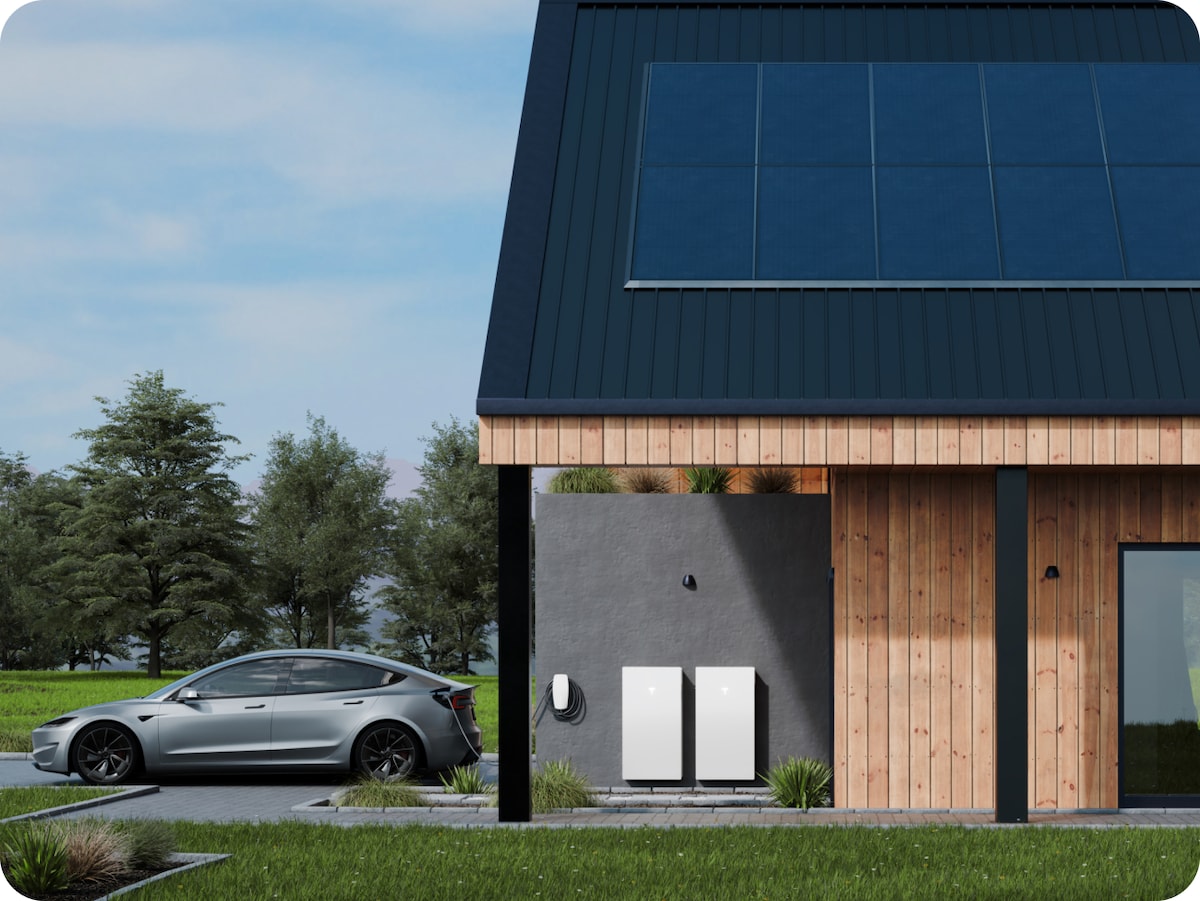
[1161,671]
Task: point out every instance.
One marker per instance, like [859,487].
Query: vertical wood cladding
[913,607]
[913,666]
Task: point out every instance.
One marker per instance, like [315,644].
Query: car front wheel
[387,751]
[105,754]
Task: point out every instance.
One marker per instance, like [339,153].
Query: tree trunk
[154,654]
[329,622]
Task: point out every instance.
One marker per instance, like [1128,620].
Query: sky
[287,206]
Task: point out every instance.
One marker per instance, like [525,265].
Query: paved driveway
[262,798]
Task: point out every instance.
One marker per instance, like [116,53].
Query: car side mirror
[188,694]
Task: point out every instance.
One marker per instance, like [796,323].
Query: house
[949,253]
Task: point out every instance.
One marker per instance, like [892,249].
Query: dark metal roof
[567,336]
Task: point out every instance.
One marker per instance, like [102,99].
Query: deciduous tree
[443,567]
[322,521]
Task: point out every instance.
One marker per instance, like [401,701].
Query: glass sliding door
[1160,675]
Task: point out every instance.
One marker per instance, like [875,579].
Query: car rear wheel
[105,754]
[387,751]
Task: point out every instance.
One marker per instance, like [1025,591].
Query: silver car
[293,709]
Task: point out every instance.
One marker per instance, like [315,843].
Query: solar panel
[936,219]
[918,172]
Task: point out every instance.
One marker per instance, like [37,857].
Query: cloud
[461,18]
[320,121]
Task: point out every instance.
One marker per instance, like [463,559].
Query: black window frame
[1126,799]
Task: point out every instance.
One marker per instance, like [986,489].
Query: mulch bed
[90,891]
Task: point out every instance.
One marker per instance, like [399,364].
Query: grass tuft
[466,780]
[800,782]
[149,843]
[557,784]
[368,792]
[584,480]
[646,481]
[96,850]
[36,862]
[772,480]
[709,480]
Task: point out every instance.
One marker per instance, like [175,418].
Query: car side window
[326,674]
[254,677]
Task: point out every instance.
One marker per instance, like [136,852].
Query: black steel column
[515,644]
[1011,648]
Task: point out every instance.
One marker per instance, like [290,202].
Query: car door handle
[359,701]
[255,706]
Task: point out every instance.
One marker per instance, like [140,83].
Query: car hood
[128,707]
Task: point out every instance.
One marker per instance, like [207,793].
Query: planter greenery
[802,782]
[709,479]
[65,855]
[557,784]
[584,480]
[368,792]
[772,480]
[466,780]
[36,862]
[646,481]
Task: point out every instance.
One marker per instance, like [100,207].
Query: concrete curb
[124,793]
[190,861]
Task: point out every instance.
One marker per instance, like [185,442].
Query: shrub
[772,480]
[95,849]
[368,792]
[466,780]
[709,479]
[646,481]
[37,862]
[149,843]
[584,480]
[800,782]
[557,784]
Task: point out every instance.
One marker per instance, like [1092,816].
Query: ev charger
[560,691]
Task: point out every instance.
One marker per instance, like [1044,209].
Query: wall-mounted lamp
[689,582]
[1051,571]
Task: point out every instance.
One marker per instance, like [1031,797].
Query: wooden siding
[839,440]
[913,644]
[1077,520]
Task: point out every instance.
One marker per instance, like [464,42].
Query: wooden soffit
[839,440]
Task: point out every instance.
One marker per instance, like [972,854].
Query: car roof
[353,656]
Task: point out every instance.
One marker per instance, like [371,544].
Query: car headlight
[61,721]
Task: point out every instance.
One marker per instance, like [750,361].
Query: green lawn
[27,799]
[30,698]
[301,861]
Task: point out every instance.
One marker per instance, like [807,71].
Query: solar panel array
[901,172]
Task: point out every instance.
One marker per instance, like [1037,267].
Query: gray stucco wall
[610,594]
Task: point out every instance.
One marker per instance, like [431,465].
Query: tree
[322,521]
[444,563]
[158,541]
[25,640]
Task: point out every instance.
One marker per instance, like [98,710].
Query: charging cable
[573,712]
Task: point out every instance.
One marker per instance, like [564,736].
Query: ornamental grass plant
[802,782]
[584,480]
[709,479]
[35,862]
[367,792]
[556,784]
[466,780]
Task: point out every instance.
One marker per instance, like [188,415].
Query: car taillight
[463,700]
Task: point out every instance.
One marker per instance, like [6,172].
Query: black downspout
[515,643]
[1011,648]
